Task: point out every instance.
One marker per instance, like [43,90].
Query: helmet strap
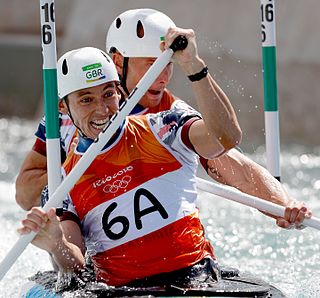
[69,114]
[123,77]
[122,95]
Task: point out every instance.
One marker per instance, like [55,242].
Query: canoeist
[132,56]
[134,209]
[132,60]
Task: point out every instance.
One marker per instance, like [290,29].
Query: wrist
[57,246]
[192,67]
[199,75]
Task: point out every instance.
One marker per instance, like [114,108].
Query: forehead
[143,59]
[95,89]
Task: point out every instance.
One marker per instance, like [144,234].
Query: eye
[110,93]
[150,63]
[85,100]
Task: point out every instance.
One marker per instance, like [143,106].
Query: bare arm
[218,114]
[239,171]
[63,240]
[69,254]
[31,180]
[219,131]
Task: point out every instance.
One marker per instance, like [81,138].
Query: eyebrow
[151,60]
[108,85]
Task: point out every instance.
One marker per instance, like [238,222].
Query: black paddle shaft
[179,44]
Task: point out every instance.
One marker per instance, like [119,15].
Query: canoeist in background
[136,233]
[132,59]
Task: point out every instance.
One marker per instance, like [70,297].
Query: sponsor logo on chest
[112,183]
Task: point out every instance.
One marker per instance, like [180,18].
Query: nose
[165,75]
[101,107]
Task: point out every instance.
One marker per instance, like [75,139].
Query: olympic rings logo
[116,185]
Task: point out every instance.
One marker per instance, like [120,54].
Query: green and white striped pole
[270,87]
[49,53]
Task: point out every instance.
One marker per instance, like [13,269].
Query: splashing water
[242,237]
[246,239]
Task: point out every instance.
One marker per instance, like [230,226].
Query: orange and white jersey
[136,203]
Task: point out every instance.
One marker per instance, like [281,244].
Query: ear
[63,107]
[118,61]
[162,46]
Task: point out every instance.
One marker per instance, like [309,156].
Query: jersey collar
[85,142]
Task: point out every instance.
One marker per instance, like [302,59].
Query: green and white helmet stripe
[84,68]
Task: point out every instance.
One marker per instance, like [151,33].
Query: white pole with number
[49,53]
[270,87]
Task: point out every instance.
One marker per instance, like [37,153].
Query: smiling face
[137,67]
[92,108]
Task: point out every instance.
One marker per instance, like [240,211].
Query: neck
[85,142]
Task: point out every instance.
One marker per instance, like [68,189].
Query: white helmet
[138,32]
[84,68]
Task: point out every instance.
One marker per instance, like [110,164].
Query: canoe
[232,284]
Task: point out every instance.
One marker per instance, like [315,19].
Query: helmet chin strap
[69,114]
[123,76]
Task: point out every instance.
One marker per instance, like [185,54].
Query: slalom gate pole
[49,53]
[270,87]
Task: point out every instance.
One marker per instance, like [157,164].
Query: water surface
[243,238]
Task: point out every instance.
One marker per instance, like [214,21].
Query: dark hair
[65,99]
[113,50]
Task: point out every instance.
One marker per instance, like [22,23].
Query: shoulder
[179,113]
[183,111]
[166,124]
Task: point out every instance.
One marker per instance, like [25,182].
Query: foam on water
[32,260]
[243,238]
[250,241]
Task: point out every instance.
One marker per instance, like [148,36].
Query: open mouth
[154,92]
[99,124]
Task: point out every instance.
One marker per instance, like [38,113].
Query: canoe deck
[232,284]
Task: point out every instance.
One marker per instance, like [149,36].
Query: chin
[154,103]
[93,135]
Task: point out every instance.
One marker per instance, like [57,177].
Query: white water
[242,237]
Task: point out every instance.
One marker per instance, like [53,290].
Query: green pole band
[270,79]
[51,103]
